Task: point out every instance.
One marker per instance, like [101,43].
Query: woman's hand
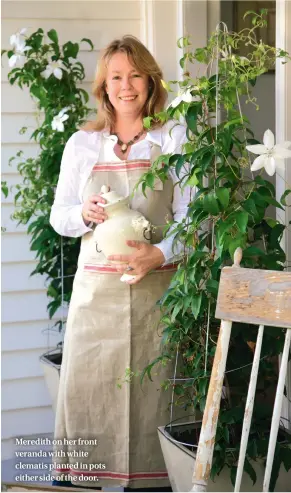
[145,258]
[93,212]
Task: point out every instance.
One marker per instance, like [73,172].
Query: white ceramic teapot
[122,224]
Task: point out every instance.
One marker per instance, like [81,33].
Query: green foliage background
[35,195]
[228,209]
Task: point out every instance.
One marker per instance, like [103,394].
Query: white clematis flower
[18,38]
[57,123]
[54,67]
[270,155]
[185,96]
[19,57]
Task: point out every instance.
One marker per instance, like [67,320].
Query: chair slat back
[255,296]
[249,296]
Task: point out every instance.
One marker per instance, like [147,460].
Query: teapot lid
[111,197]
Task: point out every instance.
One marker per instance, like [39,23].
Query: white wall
[26,404]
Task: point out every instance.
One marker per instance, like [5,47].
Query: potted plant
[53,75]
[226,167]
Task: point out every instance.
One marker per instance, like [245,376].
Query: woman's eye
[136,75]
[116,77]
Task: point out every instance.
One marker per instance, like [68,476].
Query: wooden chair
[252,296]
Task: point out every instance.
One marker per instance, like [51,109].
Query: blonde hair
[145,63]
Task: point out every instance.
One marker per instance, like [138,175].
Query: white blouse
[83,150]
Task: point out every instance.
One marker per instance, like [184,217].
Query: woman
[106,433]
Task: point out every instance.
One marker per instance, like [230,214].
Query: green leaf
[4,188]
[150,180]
[183,42]
[210,204]
[223,195]
[196,304]
[253,251]
[203,385]
[179,165]
[250,470]
[87,40]
[275,468]
[283,198]
[52,34]
[206,160]
[148,369]
[38,91]
[252,450]
[192,181]
[274,202]
[147,122]
[241,219]
[212,286]
[226,433]
[248,12]
[191,117]
[71,49]
[250,206]
[271,222]
[265,183]
[276,234]
[236,121]
[233,471]
[285,453]
[177,309]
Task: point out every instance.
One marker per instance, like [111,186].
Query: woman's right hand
[93,212]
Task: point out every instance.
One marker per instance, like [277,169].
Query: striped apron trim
[126,166]
[111,269]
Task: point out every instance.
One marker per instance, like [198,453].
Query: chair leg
[210,417]
[277,411]
[249,409]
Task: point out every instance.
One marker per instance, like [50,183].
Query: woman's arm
[66,213]
[172,145]
[180,207]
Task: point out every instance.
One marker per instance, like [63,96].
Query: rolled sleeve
[66,213]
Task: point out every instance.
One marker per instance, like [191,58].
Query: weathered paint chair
[252,296]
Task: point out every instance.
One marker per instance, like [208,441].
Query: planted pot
[51,363]
[180,456]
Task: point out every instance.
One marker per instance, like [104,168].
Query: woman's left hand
[145,258]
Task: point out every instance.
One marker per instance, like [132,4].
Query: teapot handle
[98,251]
[147,231]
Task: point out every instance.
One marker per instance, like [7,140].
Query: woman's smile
[127,98]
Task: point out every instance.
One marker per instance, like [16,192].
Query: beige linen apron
[113,326]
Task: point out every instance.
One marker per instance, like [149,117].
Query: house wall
[283,133]
[26,403]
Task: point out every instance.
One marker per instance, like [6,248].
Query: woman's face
[126,87]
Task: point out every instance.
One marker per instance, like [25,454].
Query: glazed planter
[122,224]
[180,462]
[51,364]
